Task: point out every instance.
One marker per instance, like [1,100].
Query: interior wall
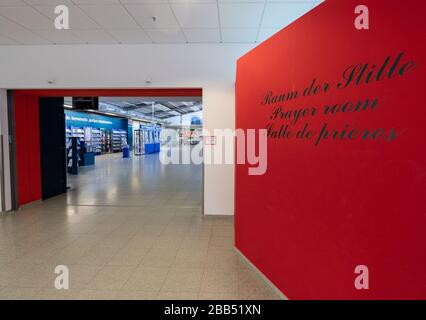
[333,210]
[209,66]
[27,148]
[218,179]
[4,130]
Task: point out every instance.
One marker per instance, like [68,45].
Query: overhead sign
[81,119]
[85,119]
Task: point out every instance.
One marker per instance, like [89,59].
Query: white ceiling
[130,21]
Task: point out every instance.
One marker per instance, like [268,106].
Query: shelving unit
[117,144]
[139,144]
[123,135]
[105,141]
[78,132]
[96,141]
[68,133]
[147,140]
[73,155]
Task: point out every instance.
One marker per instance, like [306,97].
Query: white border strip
[4,130]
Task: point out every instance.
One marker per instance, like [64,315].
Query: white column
[218,113]
[4,134]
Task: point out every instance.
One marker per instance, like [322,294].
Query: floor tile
[218,296]
[110,278]
[96,295]
[190,258]
[98,256]
[19,293]
[136,295]
[54,294]
[183,279]
[81,275]
[128,257]
[162,258]
[126,230]
[147,279]
[166,295]
[219,281]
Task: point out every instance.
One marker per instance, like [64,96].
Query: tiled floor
[128,229]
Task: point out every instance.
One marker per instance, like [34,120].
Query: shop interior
[106,136]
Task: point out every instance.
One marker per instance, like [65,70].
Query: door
[52,147]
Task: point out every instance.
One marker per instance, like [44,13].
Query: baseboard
[217,213]
[260,275]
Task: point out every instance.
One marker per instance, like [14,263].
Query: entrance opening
[107,153]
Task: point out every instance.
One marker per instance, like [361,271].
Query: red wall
[321,210]
[27,148]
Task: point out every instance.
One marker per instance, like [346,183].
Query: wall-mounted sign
[345,186]
[85,119]
[81,119]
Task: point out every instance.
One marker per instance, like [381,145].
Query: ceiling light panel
[27,17]
[130,35]
[12,3]
[110,16]
[60,36]
[78,19]
[7,41]
[241,15]
[202,35]
[239,35]
[98,36]
[46,2]
[274,16]
[96,1]
[166,35]
[266,33]
[20,34]
[147,21]
[197,15]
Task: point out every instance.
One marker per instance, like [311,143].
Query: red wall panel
[320,210]
[27,148]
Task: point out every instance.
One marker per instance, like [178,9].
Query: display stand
[152,139]
[87,157]
[156,140]
[95,141]
[139,145]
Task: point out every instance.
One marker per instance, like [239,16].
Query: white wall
[4,131]
[210,66]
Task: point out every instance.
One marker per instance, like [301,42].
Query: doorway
[40,135]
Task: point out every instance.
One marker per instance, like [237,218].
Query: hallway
[127,229]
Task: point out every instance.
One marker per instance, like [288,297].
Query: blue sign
[81,119]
